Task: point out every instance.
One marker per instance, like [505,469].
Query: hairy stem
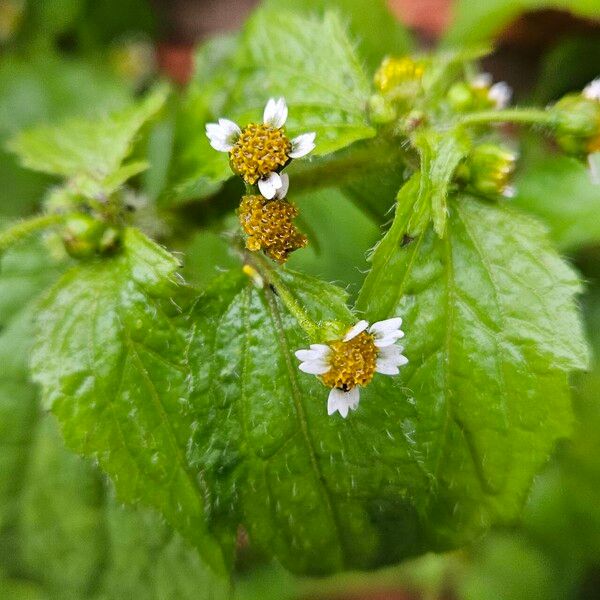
[526,116]
[271,276]
[22,229]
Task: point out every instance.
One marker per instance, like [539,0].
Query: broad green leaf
[492,332]
[320,494]
[560,191]
[310,61]
[376,30]
[85,147]
[476,21]
[109,358]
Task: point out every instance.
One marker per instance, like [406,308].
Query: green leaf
[84,147]
[376,30]
[476,21]
[109,357]
[440,155]
[559,190]
[492,332]
[319,493]
[312,63]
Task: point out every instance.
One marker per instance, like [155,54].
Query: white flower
[264,168]
[592,90]
[500,94]
[381,343]
[482,80]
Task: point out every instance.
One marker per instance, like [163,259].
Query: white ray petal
[222,135]
[342,401]
[355,330]
[389,339]
[592,90]
[500,93]
[275,113]
[269,185]
[315,367]
[386,326]
[285,185]
[386,368]
[302,145]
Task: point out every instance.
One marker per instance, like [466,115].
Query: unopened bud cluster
[578,121]
[488,170]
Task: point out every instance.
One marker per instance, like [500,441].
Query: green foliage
[95,149]
[560,191]
[482,333]
[109,360]
[476,21]
[371,24]
[299,482]
[190,398]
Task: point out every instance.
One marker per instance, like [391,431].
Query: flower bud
[85,237]
[578,124]
[381,111]
[397,72]
[488,169]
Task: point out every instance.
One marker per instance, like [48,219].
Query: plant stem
[25,228]
[272,277]
[527,116]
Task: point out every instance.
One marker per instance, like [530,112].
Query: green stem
[271,276]
[527,116]
[22,229]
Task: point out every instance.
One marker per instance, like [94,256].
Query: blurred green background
[62,534]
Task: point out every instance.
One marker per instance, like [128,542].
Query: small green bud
[488,169]
[381,111]
[461,97]
[578,124]
[85,237]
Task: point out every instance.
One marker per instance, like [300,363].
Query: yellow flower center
[270,227]
[394,71]
[260,150]
[352,363]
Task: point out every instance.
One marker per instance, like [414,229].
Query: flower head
[269,224]
[344,365]
[259,151]
[397,71]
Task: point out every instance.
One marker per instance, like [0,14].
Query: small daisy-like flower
[269,224]
[259,151]
[344,365]
[592,90]
[499,94]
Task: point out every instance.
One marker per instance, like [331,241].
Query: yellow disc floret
[270,227]
[395,71]
[260,150]
[352,362]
